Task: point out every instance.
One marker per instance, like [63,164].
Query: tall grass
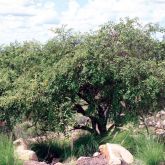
[86,145]
[66,149]
[7,152]
[143,147]
[149,150]
[46,151]
[123,138]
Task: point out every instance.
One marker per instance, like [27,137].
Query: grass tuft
[149,150]
[7,152]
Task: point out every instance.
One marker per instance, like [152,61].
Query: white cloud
[25,20]
[97,12]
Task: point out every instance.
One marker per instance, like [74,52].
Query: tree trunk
[99,127]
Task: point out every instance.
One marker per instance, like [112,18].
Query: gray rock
[97,160]
[34,163]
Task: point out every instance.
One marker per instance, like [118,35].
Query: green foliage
[7,152]
[117,69]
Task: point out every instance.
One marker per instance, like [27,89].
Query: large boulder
[116,154]
[22,152]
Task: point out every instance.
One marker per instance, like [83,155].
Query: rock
[20,144]
[26,155]
[58,163]
[163,124]
[141,126]
[116,154]
[160,132]
[99,160]
[96,154]
[34,163]
[158,115]
[55,161]
[162,163]
[2,123]
[158,124]
[162,113]
[21,151]
[150,121]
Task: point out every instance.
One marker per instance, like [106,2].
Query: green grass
[86,145]
[64,149]
[149,150]
[123,138]
[145,148]
[52,149]
[7,152]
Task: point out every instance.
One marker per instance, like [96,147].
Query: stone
[162,163]
[116,154]
[162,112]
[158,124]
[98,160]
[2,123]
[26,155]
[20,144]
[34,163]
[96,154]
[58,163]
[160,132]
[55,161]
[22,152]
[163,124]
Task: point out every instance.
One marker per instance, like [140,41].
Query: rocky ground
[156,123]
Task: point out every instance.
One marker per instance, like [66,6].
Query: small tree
[115,70]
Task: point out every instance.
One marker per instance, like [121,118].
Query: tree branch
[86,128]
[79,109]
[83,97]
[111,127]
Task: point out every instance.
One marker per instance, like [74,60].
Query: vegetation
[118,69]
[146,149]
[7,152]
[149,150]
[111,76]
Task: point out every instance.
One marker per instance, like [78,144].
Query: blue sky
[32,19]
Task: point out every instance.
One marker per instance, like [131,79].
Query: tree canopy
[117,69]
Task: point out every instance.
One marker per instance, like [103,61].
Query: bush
[7,152]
